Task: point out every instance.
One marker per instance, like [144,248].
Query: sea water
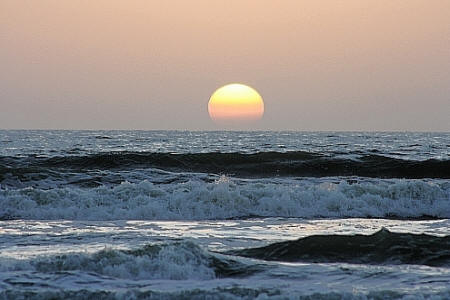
[224,215]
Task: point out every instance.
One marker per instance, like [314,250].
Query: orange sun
[235,103]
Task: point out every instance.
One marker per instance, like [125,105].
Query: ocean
[224,215]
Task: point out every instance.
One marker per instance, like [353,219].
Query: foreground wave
[232,198]
[183,270]
[382,247]
[174,261]
[263,164]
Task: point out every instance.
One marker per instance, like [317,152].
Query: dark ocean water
[224,215]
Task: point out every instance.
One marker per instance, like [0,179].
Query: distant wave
[262,164]
[382,247]
[226,198]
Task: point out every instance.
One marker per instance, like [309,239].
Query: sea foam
[228,198]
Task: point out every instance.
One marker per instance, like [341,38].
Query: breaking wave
[174,261]
[228,198]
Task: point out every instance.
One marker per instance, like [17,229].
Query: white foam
[229,198]
[176,261]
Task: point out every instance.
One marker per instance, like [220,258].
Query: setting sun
[235,103]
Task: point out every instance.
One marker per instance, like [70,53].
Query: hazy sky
[319,65]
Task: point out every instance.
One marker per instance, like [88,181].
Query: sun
[235,103]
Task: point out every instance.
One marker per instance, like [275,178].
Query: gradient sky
[319,65]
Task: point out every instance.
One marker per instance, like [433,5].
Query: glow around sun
[235,103]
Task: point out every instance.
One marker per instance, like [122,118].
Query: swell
[262,164]
[382,247]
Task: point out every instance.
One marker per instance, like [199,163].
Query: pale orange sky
[319,65]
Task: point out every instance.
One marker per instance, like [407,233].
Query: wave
[262,164]
[174,261]
[223,293]
[382,247]
[183,270]
[228,198]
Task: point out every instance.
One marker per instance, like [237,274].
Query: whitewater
[224,215]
